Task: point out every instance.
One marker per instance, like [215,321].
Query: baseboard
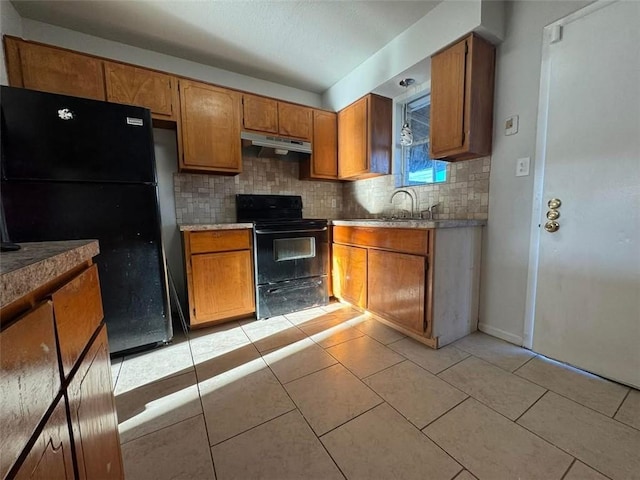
[496,332]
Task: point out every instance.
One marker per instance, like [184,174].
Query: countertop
[359,222]
[407,223]
[37,263]
[213,226]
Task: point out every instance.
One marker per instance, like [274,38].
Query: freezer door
[55,137]
[131,265]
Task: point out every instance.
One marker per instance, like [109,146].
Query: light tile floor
[331,393]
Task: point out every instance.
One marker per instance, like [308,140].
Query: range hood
[280,146]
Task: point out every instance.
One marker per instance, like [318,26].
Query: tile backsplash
[465,194]
[211,198]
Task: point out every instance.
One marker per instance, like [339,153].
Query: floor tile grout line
[531,406]
[447,411]
[459,462]
[384,369]
[525,363]
[517,422]
[251,428]
[569,468]
[451,366]
[382,402]
[204,419]
[621,403]
[163,428]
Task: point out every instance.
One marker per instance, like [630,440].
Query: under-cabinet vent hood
[279,146]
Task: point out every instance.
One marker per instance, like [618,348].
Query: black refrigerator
[74,168]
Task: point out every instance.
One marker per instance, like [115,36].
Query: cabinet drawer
[219,241]
[30,379]
[406,240]
[78,311]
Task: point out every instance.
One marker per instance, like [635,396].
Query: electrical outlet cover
[511,125]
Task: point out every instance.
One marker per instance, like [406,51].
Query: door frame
[551,34]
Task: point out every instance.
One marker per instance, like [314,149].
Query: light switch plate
[511,125]
[522,167]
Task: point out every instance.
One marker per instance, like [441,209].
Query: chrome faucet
[407,192]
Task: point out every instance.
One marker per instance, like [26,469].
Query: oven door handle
[307,230]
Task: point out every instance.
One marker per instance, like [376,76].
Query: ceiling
[303,44]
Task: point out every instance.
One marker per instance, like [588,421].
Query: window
[417,166]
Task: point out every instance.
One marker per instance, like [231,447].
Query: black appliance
[74,168]
[291,254]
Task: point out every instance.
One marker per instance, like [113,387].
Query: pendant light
[406,135]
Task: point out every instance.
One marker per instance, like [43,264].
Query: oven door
[290,254]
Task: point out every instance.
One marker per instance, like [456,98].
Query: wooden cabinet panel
[30,379]
[462,78]
[260,113]
[210,128]
[93,415]
[222,285]
[447,100]
[353,156]
[396,288]
[50,457]
[78,312]
[323,164]
[138,86]
[295,121]
[407,240]
[364,138]
[350,274]
[219,240]
[55,70]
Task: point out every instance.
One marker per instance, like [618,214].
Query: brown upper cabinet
[210,126]
[364,138]
[260,113]
[280,118]
[462,77]
[323,164]
[146,88]
[54,70]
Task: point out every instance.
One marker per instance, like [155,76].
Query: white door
[586,295]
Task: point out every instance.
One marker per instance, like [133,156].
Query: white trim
[496,332]
[540,159]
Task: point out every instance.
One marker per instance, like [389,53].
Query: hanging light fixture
[406,134]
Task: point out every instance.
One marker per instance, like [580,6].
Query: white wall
[10,24]
[443,25]
[51,34]
[506,245]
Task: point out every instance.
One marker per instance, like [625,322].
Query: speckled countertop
[213,226]
[406,223]
[37,263]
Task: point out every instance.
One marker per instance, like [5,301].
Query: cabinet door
[295,121]
[222,285]
[211,127]
[50,457]
[353,157]
[448,70]
[60,71]
[350,274]
[145,88]
[93,415]
[324,160]
[260,113]
[396,283]
[78,312]
[30,379]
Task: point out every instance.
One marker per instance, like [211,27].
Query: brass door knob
[554,203]
[551,226]
[553,214]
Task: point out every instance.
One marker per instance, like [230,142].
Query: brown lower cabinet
[423,282]
[349,274]
[219,267]
[36,388]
